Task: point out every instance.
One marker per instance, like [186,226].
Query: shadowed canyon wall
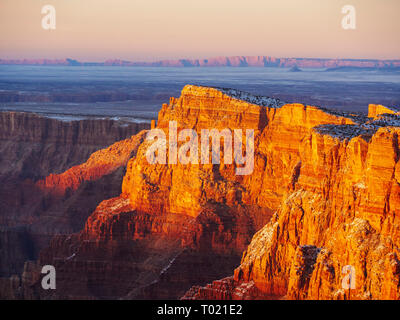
[32,148]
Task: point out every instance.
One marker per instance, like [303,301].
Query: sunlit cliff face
[323,198]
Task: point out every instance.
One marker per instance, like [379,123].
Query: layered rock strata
[37,200]
[338,219]
[322,199]
[198,218]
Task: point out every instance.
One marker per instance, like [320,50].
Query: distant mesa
[236,61]
[72,62]
[295,69]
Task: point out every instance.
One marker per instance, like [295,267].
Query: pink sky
[147,30]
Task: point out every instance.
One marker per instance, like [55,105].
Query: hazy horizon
[137,30]
[191,58]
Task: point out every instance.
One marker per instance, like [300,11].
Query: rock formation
[377,110]
[324,194]
[34,147]
[339,214]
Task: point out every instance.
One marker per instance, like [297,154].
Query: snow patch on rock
[253,99]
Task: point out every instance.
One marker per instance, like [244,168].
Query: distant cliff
[237,61]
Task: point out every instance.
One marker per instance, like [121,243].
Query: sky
[149,30]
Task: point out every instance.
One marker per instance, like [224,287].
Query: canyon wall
[340,215]
[36,199]
[323,197]
[176,225]
[33,146]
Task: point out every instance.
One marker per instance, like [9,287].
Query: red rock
[204,208]
[330,178]
[342,210]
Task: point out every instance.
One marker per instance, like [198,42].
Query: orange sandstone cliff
[323,195]
[341,209]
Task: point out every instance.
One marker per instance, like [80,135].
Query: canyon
[324,194]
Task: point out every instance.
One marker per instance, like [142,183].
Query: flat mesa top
[343,132]
[349,131]
[253,99]
[238,95]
